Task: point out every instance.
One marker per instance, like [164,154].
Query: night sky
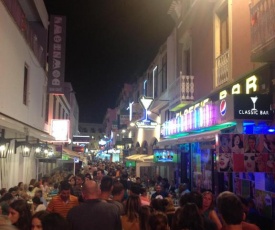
[109,43]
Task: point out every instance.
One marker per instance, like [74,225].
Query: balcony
[262,29]
[181,92]
[222,69]
[16,12]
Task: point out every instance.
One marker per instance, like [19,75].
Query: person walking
[64,201]
[93,213]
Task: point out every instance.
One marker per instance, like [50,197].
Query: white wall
[14,54]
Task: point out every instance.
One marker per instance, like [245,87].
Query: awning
[16,126]
[147,158]
[135,156]
[140,157]
[72,153]
[208,136]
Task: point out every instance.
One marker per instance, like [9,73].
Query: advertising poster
[270,182]
[237,144]
[206,165]
[237,186]
[238,165]
[263,202]
[245,188]
[246,153]
[224,156]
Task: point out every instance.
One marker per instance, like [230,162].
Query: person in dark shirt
[160,193]
[93,213]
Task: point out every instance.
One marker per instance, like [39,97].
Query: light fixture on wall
[4,145]
[25,147]
[37,146]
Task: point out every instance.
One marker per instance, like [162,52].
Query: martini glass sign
[146,102]
[146,122]
[254,99]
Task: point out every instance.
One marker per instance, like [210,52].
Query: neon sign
[199,118]
[149,124]
[250,87]
[146,102]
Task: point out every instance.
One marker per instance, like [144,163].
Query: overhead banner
[57,48]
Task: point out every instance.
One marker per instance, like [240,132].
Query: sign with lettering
[81,139]
[146,124]
[57,47]
[250,86]
[253,106]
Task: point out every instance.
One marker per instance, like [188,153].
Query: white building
[26,108]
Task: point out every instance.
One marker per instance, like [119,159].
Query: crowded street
[137,115]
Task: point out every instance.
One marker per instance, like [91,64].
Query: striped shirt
[59,206]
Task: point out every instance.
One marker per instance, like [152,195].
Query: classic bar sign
[253,106]
[57,47]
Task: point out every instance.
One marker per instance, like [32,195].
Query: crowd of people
[105,198]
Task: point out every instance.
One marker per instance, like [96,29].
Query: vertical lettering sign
[57,46]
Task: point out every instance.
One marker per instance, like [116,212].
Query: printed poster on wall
[246,153]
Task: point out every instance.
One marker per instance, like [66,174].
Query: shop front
[226,143]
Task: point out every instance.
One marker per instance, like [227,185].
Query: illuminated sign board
[165,155]
[250,87]
[60,129]
[256,107]
[146,123]
[130,164]
[81,139]
[207,113]
[199,118]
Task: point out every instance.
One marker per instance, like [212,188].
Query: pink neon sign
[202,117]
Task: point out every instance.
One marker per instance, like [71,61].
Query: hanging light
[25,147]
[4,145]
[37,147]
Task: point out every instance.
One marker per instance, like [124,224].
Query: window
[167,112]
[222,59]
[145,87]
[150,85]
[47,109]
[63,114]
[25,86]
[59,111]
[186,62]
[155,83]
[185,55]
[54,107]
[169,115]
[224,41]
[164,73]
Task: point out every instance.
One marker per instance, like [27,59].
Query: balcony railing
[262,17]
[222,68]
[180,92]
[19,17]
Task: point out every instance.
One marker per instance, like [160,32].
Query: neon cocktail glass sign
[146,102]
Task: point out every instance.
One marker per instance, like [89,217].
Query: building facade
[29,148]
